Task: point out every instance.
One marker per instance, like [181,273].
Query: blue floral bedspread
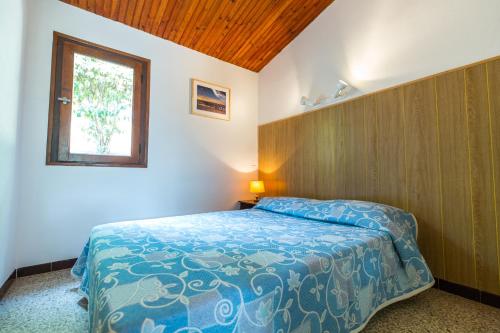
[288,265]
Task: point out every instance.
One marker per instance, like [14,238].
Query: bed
[287,265]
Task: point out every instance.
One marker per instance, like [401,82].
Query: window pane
[101,118]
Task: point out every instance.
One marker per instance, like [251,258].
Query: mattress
[287,265]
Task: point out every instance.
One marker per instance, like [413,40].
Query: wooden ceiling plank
[243,32]
[115,6]
[207,33]
[147,24]
[106,8]
[194,22]
[91,5]
[270,53]
[146,10]
[259,41]
[177,14]
[268,39]
[82,4]
[286,29]
[122,13]
[281,30]
[259,48]
[259,20]
[203,23]
[99,7]
[130,12]
[138,13]
[291,27]
[230,27]
[261,11]
[262,29]
[159,15]
[294,31]
[258,59]
[167,16]
[225,19]
[240,28]
[153,13]
[212,33]
[180,28]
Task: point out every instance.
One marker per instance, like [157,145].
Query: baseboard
[490,299]
[468,292]
[45,268]
[7,284]
[32,270]
[35,269]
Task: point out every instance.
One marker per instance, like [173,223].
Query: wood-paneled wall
[431,146]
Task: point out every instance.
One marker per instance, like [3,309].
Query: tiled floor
[43,303]
[48,303]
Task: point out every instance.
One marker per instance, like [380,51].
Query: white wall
[11,33]
[377,44]
[195,164]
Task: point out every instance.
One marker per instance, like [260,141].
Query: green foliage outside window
[102,95]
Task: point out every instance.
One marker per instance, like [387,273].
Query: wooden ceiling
[247,33]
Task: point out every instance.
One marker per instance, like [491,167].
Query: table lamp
[256,187]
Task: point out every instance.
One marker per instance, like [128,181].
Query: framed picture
[210,100]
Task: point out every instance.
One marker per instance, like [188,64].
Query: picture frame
[210,100]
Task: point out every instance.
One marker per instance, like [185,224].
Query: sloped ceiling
[247,33]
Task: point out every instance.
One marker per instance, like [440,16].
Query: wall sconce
[306,101]
[343,89]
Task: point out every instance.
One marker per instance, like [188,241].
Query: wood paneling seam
[377,152]
[366,149]
[440,175]
[344,149]
[407,199]
[493,165]
[470,178]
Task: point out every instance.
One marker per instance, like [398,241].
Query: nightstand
[246,204]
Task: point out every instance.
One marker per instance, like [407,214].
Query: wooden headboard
[431,146]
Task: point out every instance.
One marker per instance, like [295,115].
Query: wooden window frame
[58,136]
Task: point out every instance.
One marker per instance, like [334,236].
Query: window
[99,106]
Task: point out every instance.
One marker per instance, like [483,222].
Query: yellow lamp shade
[257,186]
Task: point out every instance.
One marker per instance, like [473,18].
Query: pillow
[397,222]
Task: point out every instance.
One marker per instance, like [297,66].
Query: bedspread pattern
[249,271]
